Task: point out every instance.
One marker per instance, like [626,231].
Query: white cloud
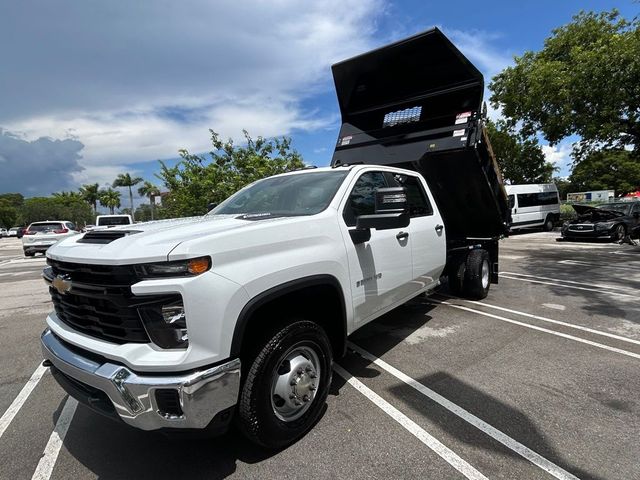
[136,82]
[559,155]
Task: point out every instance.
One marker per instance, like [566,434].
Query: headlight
[179,268]
[166,324]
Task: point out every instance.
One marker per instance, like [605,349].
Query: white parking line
[434,444]
[51,451]
[550,320]
[17,403]
[540,329]
[595,285]
[493,432]
[575,287]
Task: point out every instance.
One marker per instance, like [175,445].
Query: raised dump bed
[417,104]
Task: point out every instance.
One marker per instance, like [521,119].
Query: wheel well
[319,299]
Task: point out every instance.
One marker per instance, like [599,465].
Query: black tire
[257,416]
[548,224]
[29,254]
[477,274]
[455,277]
[619,232]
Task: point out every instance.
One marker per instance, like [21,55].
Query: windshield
[300,194]
[618,207]
[113,221]
[45,227]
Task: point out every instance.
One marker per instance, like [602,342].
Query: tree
[15,199]
[126,180]
[56,208]
[564,186]
[521,159]
[196,181]
[90,193]
[109,198]
[8,214]
[149,190]
[607,170]
[585,82]
[68,195]
[144,212]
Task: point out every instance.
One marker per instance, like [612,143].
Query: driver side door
[380,269]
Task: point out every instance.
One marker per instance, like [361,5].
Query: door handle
[402,235]
[439,228]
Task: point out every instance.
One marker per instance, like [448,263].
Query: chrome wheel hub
[295,383]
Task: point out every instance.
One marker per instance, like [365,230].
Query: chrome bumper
[202,394]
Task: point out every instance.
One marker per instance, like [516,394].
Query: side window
[362,200]
[71,226]
[512,200]
[636,208]
[418,202]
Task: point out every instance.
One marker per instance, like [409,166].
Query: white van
[536,205]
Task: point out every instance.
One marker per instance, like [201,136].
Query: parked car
[41,235]
[3,232]
[13,231]
[534,205]
[611,220]
[21,231]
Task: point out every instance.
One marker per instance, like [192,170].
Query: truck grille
[99,302]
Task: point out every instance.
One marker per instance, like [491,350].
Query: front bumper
[202,394]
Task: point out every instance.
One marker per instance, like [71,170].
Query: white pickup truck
[190,323]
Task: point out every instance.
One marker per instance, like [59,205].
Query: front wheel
[287,385]
[619,232]
[548,224]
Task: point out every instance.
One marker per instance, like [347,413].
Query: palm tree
[148,189]
[109,198]
[125,180]
[91,193]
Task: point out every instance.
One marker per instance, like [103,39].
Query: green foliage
[149,190]
[567,213]
[91,193]
[8,214]
[56,208]
[145,214]
[109,198]
[126,180]
[615,170]
[15,199]
[564,186]
[585,82]
[520,158]
[196,181]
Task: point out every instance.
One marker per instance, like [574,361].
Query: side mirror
[392,210]
[211,206]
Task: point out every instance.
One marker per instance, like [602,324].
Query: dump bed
[417,104]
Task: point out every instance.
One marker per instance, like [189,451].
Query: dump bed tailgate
[417,104]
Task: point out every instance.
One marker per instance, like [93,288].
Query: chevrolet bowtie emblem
[62,284]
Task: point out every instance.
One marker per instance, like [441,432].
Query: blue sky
[91,89]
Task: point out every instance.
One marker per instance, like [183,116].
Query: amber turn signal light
[196,266]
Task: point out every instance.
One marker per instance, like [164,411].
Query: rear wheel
[287,385]
[477,275]
[29,254]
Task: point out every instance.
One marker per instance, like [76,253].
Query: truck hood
[147,242]
[596,213]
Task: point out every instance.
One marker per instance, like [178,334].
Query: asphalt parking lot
[539,380]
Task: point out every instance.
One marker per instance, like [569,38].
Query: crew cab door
[426,231]
[380,269]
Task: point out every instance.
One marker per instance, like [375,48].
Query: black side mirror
[211,206]
[392,210]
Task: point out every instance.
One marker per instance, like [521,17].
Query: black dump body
[417,104]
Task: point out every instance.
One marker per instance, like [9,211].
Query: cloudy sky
[89,89]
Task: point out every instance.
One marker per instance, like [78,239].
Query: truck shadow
[445,425]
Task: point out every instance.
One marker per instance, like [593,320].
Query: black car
[612,220]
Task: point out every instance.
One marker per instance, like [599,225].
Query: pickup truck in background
[240,315]
[110,221]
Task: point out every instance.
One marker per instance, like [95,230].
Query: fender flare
[278,291]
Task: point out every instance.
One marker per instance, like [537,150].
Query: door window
[418,202]
[362,199]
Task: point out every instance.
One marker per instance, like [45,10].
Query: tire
[456,277]
[619,232]
[477,275]
[548,224]
[298,353]
[29,254]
